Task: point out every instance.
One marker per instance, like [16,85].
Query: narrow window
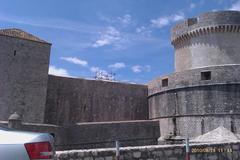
[14,52]
[233,128]
[202,127]
[165,82]
[206,75]
[174,126]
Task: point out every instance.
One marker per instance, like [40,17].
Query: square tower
[24,63]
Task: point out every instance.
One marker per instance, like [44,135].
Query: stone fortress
[202,94]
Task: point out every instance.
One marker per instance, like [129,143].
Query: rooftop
[18,33]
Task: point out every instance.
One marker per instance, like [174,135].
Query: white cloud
[58,71]
[147,68]
[160,22]
[138,68]
[109,36]
[75,60]
[145,31]
[192,5]
[236,6]
[177,17]
[51,23]
[94,69]
[140,29]
[166,20]
[117,65]
[125,20]
[121,21]
[101,42]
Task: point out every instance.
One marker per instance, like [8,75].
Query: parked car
[18,145]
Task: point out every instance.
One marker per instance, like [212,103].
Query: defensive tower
[204,92]
[24,61]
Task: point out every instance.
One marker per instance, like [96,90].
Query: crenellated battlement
[207,23]
[178,40]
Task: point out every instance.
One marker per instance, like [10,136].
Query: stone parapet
[219,75]
[178,40]
[220,21]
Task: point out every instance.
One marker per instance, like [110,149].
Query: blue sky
[128,37]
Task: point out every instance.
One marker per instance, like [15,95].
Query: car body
[18,145]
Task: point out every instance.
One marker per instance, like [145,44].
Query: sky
[130,38]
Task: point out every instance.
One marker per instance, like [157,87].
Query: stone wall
[208,50]
[187,94]
[205,20]
[226,151]
[198,125]
[188,100]
[71,100]
[23,78]
[102,135]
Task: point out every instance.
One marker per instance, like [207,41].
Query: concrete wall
[175,152]
[72,100]
[23,78]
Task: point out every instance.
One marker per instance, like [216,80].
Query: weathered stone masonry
[59,105]
[204,91]
[24,62]
[71,100]
[202,94]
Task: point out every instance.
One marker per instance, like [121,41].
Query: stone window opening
[165,82]
[14,52]
[206,75]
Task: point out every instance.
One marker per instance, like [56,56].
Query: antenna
[104,75]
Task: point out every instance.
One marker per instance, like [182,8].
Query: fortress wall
[208,50]
[197,125]
[212,99]
[72,100]
[188,94]
[104,134]
[190,104]
[189,107]
[23,78]
[222,74]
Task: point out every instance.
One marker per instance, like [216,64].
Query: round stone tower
[208,40]
[204,92]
